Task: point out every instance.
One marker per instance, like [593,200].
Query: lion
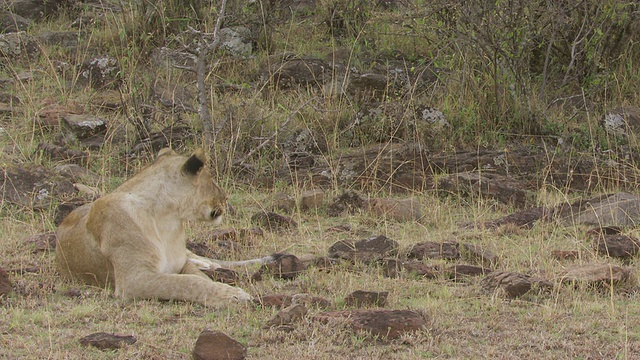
[134,241]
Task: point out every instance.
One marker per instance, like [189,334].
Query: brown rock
[349,201]
[604,230]
[273,221]
[43,242]
[286,266]
[226,276]
[60,153]
[361,298]
[283,202]
[216,345]
[390,324]
[435,250]
[393,268]
[486,184]
[274,300]
[367,250]
[311,199]
[513,284]
[461,271]
[33,187]
[596,274]
[478,254]
[5,284]
[565,254]
[400,210]
[617,246]
[287,316]
[107,341]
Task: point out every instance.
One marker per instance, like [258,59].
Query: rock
[42,242]
[107,341]
[524,218]
[101,72]
[478,254]
[622,121]
[435,250]
[367,250]
[349,201]
[164,57]
[361,298]
[287,316]
[513,284]
[11,23]
[393,268]
[83,126]
[216,345]
[226,276]
[604,230]
[37,9]
[5,283]
[565,254]
[390,324]
[617,246]
[274,300]
[310,301]
[311,199]
[108,100]
[285,266]
[596,274]
[289,71]
[74,172]
[283,202]
[33,187]
[273,221]
[462,271]
[237,40]
[621,209]
[400,210]
[59,153]
[507,190]
[16,45]
[65,208]
[62,39]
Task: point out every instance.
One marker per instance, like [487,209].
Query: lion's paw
[241,295]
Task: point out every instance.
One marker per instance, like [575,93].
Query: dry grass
[39,321]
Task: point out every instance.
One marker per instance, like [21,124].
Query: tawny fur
[134,240]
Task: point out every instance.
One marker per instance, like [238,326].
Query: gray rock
[84,126]
[238,40]
[621,209]
[101,72]
[10,22]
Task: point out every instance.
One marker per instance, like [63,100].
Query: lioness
[134,239]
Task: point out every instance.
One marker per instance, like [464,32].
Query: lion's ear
[195,162]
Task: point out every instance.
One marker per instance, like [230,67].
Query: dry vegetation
[499,66]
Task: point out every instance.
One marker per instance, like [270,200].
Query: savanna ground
[500,66]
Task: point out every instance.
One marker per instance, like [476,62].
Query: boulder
[216,345]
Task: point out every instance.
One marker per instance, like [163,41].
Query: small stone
[361,298]
[107,341]
[226,276]
[596,274]
[349,201]
[368,250]
[283,202]
[5,284]
[390,324]
[400,210]
[512,283]
[311,199]
[617,246]
[285,266]
[273,221]
[461,271]
[84,126]
[435,250]
[565,254]
[287,316]
[216,345]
